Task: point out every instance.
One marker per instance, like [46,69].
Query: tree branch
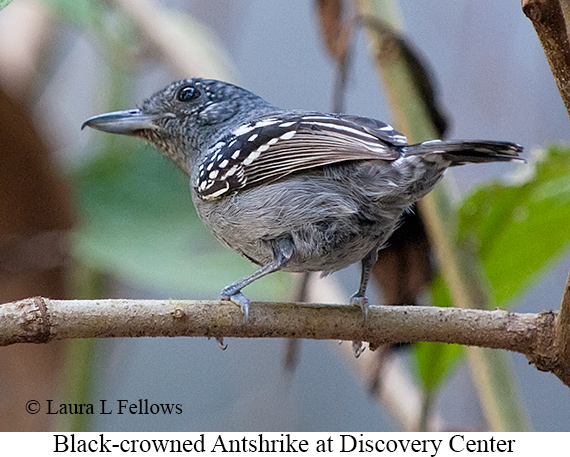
[549,19]
[553,353]
[39,320]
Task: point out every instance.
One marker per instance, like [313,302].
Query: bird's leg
[359,298]
[233,291]
[282,251]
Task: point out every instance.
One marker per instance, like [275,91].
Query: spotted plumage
[267,149]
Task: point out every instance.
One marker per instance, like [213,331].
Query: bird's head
[185,118]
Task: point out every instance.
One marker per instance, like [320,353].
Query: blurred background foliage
[135,233]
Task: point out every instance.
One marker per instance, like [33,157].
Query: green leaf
[436,361]
[80,12]
[138,222]
[4,3]
[519,229]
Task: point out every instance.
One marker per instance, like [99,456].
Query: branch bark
[553,353]
[549,18]
[39,320]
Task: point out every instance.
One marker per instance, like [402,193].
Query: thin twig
[187,47]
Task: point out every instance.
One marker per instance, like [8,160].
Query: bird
[292,190]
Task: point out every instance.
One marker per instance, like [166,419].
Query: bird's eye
[187,94]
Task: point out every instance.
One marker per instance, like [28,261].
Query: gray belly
[330,225]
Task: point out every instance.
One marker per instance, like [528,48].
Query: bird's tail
[460,152]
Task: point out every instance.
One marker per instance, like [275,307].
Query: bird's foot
[362,302]
[229,293]
[358,348]
[220,340]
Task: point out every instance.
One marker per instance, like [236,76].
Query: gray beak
[123,122]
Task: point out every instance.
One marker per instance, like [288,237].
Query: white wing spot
[243,129]
[286,124]
[272,141]
[288,135]
[232,170]
[316,117]
[236,154]
[217,193]
[223,163]
[266,122]
[219,145]
[253,137]
[214,174]
[262,148]
[252,156]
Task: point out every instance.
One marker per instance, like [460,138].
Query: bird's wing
[376,128]
[273,147]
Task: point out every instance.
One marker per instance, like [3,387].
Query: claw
[220,340]
[239,299]
[358,348]
[362,302]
